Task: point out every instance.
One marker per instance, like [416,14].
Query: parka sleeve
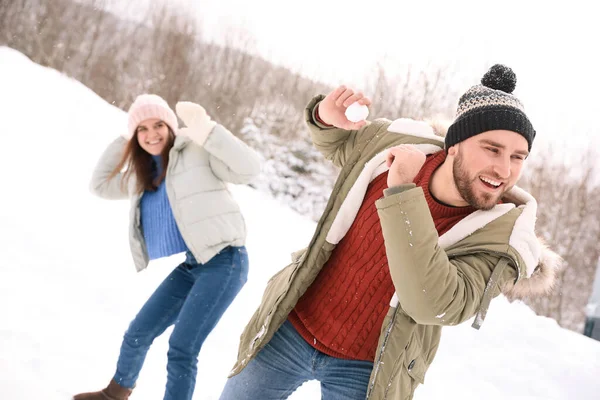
[432,288]
[100,184]
[231,159]
[337,144]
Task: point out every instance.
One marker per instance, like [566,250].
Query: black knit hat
[490,106]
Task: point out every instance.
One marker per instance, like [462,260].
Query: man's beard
[466,187]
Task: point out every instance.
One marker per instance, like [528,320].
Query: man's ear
[453,150]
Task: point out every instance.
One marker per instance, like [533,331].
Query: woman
[179,203]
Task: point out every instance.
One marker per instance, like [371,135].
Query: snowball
[357,112]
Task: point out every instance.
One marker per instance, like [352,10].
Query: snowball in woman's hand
[357,112]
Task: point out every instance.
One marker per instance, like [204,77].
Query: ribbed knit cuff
[398,189]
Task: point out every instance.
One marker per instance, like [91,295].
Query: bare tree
[169,50]
[410,92]
[569,220]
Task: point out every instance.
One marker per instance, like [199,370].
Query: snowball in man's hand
[357,112]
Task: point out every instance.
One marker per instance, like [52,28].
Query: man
[450,233]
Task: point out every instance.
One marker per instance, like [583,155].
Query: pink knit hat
[149,106]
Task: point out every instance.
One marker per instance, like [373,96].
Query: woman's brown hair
[139,163]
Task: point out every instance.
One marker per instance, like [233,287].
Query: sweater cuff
[407,196]
[398,189]
[317,120]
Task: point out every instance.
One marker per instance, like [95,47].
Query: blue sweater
[158,224]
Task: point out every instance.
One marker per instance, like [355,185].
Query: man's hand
[333,108]
[405,162]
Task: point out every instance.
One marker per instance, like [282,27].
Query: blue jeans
[287,361]
[193,297]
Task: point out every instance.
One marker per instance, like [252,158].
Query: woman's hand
[198,123]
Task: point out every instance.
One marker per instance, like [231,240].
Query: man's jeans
[287,361]
[193,297]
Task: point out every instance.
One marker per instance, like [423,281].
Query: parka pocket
[408,372]
[414,367]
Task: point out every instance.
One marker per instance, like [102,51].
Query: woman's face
[153,135]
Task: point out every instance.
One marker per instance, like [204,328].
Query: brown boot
[113,391]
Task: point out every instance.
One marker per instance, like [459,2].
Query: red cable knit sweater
[341,313]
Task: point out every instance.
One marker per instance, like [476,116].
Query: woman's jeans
[193,298]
